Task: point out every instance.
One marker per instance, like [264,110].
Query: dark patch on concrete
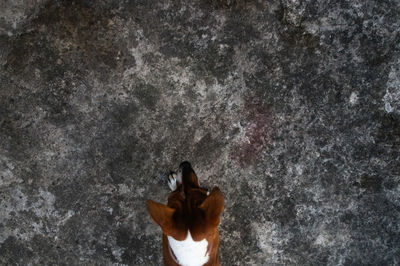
[133,247]
[147,94]
[285,211]
[207,146]
[238,28]
[122,161]
[46,251]
[389,131]
[245,215]
[216,60]
[371,183]
[85,31]
[177,115]
[70,196]
[14,252]
[231,4]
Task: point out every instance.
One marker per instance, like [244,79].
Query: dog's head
[191,210]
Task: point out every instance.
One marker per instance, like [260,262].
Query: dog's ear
[162,215]
[213,206]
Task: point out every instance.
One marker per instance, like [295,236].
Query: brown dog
[190,220]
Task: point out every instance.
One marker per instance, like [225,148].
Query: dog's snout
[185,166]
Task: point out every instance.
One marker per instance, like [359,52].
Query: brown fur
[189,208]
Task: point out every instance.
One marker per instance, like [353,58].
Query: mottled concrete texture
[291,107]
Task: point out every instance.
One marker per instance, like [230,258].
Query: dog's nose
[185,166]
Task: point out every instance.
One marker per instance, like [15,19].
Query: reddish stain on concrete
[258,127]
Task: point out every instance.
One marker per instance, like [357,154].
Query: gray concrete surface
[291,107]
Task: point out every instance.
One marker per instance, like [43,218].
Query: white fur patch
[189,252]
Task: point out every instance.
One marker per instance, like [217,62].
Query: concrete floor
[291,107]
